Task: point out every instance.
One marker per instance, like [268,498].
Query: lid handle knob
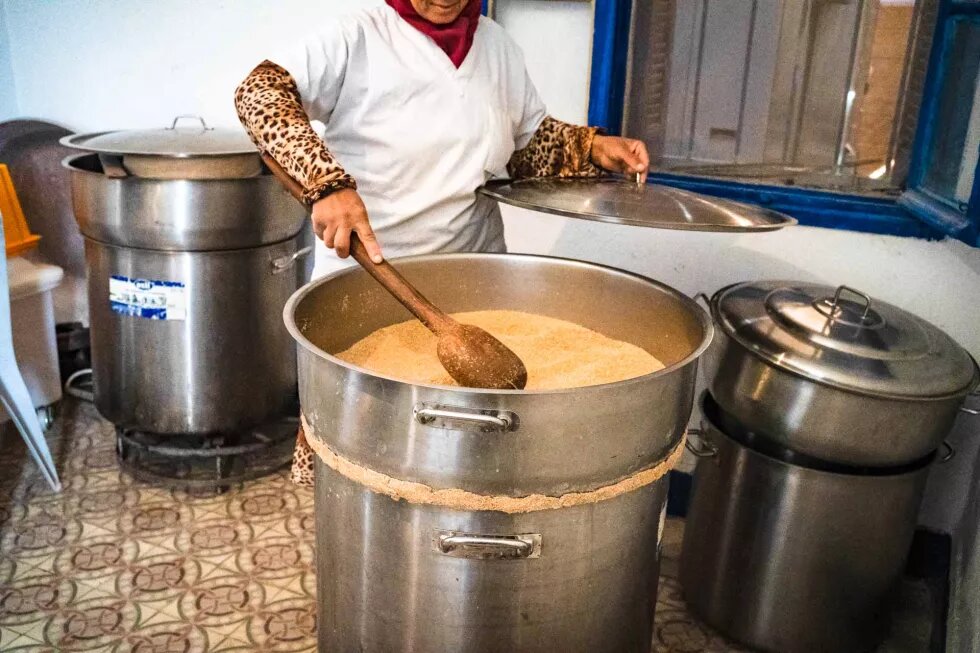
[834,305]
[188,116]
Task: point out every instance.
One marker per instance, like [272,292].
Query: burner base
[207,462]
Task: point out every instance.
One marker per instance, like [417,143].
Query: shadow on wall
[970,258]
[691,262]
[31,150]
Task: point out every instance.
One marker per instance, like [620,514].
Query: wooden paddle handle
[392,280]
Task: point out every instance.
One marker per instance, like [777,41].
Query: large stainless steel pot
[229,364]
[792,559]
[569,579]
[186,281]
[830,373]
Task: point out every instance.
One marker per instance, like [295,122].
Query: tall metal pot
[830,373]
[226,366]
[405,575]
[794,559]
[186,281]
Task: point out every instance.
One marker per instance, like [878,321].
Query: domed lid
[627,201]
[191,138]
[842,338]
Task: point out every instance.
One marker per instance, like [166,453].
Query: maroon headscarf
[455,38]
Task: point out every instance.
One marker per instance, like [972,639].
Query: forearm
[269,105]
[557,149]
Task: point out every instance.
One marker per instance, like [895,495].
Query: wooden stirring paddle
[473,357]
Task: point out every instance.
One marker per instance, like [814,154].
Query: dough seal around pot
[458,499]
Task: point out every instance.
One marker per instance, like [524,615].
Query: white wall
[8,96]
[557,40]
[105,64]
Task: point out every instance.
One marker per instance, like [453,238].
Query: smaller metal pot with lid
[831,373]
[187,149]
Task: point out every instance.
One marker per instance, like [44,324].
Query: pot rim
[301,340]
[82,142]
[896,472]
[69,163]
[968,389]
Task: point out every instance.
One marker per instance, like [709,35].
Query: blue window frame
[942,129]
[923,210]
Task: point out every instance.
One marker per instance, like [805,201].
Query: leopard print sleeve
[269,105]
[557,149]
[302,469]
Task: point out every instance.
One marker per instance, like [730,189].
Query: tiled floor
[113,565]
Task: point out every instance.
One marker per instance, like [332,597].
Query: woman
[423,101]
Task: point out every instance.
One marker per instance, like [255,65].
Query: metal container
[397,575]
[227,365]
[186,280]
[180,215]
[830,373]
[189,151]
[791,559]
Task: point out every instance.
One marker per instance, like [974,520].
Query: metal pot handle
[489,547]
[853,291]
[705,449]
[190,116]
[75,385]
[456,418]
[283,263]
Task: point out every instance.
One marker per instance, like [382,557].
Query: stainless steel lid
[191,138]
[620,201]
[842,338]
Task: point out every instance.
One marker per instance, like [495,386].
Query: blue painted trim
[486,7]
[930,96]
[973,208]
[813,208]
[936,211]
[610,49]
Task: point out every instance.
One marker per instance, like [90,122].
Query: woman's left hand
[626,155]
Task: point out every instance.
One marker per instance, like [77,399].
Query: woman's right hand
[338,215]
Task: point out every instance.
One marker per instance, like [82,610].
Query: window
[942,183]
[804,103]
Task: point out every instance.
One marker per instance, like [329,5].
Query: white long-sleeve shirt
[418,134]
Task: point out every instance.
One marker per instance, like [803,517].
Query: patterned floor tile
[284,625]
[165,637]
[12,641]
[214,536]
[91,625]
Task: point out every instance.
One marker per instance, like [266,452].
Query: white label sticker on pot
[148,298]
